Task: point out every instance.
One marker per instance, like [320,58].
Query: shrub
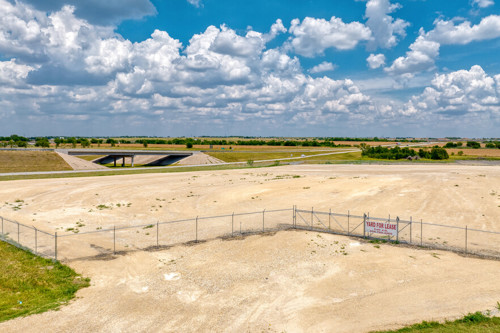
[42,142]
[438,153]
[395,153]
[473,144]
[189,145]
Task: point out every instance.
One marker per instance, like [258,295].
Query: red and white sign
[382,228]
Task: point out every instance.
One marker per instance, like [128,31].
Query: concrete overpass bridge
[165,157]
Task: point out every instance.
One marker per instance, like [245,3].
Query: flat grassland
[294,281]
[25,161]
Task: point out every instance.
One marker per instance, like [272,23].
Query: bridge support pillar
[123,161]
[114,158]
[132,157]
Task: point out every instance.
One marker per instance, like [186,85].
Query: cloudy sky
[250,67]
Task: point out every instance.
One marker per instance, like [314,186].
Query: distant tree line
[453,144]
[397,153]
[14,141]
[328,142]
[470,144]
[493,144]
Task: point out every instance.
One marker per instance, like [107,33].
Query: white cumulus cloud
[313,36]
[375,60]
[385,29]
[424,51]
[325,66]
[461,93]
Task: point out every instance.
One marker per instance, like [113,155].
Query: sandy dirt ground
[294,281]
[198,159]
[79,164]
[289,282]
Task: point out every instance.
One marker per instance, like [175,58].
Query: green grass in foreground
[30,284]
[471,323]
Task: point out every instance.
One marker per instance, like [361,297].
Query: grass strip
[30,284]
[121,171]
[471,323]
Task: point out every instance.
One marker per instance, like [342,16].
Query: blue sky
[260,68]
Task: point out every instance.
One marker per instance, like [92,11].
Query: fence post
[196,239]
[329,218]
[2,226]
[421,233]
[364,225]
[114,239]
[36,240]
[55,246]
[465,239]
[18,233]
[348,216]
[397,229]
[263,213]
[295,216]
[157,234]
[312,220]
[411,225]
[232,224]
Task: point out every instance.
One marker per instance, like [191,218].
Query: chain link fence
[414,232]
[120,238]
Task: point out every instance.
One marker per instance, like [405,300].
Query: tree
[58,142]
[85,143]
[111,141]
[438,153]
[22,144]
[189,144]
[72,141]
[473,144]
[42,142]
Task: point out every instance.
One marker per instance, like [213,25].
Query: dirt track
[293,281]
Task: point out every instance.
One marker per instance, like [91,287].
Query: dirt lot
[292,281]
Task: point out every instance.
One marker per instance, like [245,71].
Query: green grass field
[25,161]
[471,323]
[255,156]
[30,284]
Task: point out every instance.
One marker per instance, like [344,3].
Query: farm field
[288,281]
[483,152]
[262,155]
